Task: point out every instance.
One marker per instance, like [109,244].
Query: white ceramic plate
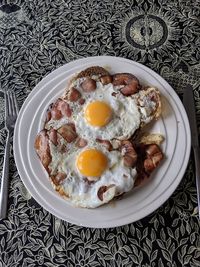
[142,200]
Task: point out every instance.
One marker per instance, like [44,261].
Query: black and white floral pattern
[36,37]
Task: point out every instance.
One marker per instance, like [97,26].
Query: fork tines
[11,106]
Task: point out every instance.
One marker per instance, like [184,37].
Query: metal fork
[11,112]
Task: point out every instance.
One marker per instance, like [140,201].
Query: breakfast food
[87,145]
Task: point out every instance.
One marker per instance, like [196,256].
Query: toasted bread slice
[154,138]
[149,104]
[94,72]
[91,71]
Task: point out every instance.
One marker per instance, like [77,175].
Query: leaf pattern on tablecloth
[36,37]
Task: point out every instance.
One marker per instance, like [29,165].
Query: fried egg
[90,169]
[107,114]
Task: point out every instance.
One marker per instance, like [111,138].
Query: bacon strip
[88,85]
[73,95]
[81,142]
[130,82]
[53,136]
[68,132]
[42,149]
[58,178]
[154,157]
[58,110]
[150,157]
[106,79]
[102,190]
[130,155]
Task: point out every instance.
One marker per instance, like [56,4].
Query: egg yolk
[91,162]
[98,113]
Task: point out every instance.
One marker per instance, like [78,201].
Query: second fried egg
[90,169]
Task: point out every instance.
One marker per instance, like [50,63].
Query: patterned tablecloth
[38,36]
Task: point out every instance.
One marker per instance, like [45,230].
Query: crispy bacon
[154,157]
[141,178]
[48,116]
[64,108]
[129,153]
[58,109]
[42,149]
[130,88]
[81,101]
[102,190]
[88,85]
[73,95]
[130,82]
[53,136]
[56,113]
[106,79]
[150,157]
[68,132]
[58,178]
[81,142]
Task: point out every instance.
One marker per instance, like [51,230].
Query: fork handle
[5,180]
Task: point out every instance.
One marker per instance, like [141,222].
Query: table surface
[37,37]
